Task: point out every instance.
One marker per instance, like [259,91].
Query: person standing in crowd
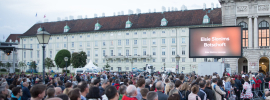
[209,92]
[60,84]
[160,88]
[122,91]
[228,86]
[93,93]
[83,86]
[194,91]
[246,93]
[140,85]
[147,83]
[68,88]
[169,87]
[174,97]
[216,88]
[16,93]
[131,93]
[37,92]
[117,83]
[58,91]
[112,94]
[152,96]
[144,92]
[26,92]
[50,93]
[201,93]
[75,94]
[104,84]
[238,86]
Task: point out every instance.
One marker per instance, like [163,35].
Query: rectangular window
[163,60]
[50,54]
[96,60]
[111,52]
[37,54]
[96,35]
[24,39]
[163,51]
[88,44]
[24,46]
[183,51]
[103,61]
[127,41]
[144,41]
[24,54]
[103,52]
[154,32]
[119,52]
[127,60]
[31,39]
[144,52]
[135,42]
[173,31]
[163,41]
[72,37]
[127,33]
[31,46]
[111,61]
[135,33]
[154,60]
[57,38]
[112,43]
[96,43]
[163,31]
[144,60]
[183,40]
[173,51]
[183,30]
[57,45]
[88,53]
[144,33]
[173,40]
[127,68]
[96,52]
[183,59]
[65,45]
[127,52]
[65,37]
[154,51]
[183,68]
[88,35]
[154,41]
[194,59]
[104,43]
[173,59]
[31,54]
[119,42]
[37,46]
[135,52]
[72,44]
[111,68]
[134,60]
[80,44]
[103,35]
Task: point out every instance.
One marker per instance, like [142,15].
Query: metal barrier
[259,93]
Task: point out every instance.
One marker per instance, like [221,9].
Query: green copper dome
[128,24]
[97,26]
[163,19]
[206,19]
[164,22]
[66,27]
[39,29]
[205,16]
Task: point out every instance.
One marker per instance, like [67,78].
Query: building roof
[147,20]
[13,37]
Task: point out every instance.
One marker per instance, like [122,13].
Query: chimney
[212,6]
[168,9]
[71,18]
[122,12]
[85,16]
[217,5]
[149,10]
[113,13]
[103,14]
[183,8]
[46,20]
[119,13]
[58,19]
[138,11]
[163,9]
[204,6]
[130,12]
[154,10]
[79,17]
[172,8]
[176,9]
[95,15]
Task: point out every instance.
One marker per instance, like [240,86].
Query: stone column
[256,32]
[250,32]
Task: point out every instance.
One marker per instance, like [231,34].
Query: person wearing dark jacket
[104,84]
[209,92]
[238,87]
[16,93]
[26,93]
[78,78]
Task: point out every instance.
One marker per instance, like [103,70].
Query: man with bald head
[160,88]
[131,93]
[58,91]
[26,93]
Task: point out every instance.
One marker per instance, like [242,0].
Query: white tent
[90,65]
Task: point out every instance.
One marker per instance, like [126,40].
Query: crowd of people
[128,86]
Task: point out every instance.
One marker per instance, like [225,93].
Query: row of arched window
[263,33]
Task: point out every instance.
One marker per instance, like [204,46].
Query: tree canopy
[49,63]
[78,59]
[33,65]
[22,65]
[59,58]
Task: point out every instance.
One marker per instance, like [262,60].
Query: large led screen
[215,42]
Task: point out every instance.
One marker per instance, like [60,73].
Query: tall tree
[8,65]
[49,63]
[33,65]
[59,58]
[107,65]
[1,64]
[22,65]
[78,59]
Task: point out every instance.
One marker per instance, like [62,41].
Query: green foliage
[1,64]
[59,58]
[68,71]
[33,65]
[8,64]
[78,59]
[17,70]
[107,65]
[49,63]
[95,64]
[3,70]
[22,65]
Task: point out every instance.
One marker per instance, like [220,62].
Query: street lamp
[177,57]
[66,59]
[43,38]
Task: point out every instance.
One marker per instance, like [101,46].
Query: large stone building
[253,15]
[125,41]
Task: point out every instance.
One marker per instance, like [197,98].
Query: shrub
[3,70]
[17,70]
[65,71]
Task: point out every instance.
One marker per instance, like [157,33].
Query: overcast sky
[17,16]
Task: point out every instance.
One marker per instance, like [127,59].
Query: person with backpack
[209,92]
[185,91]
[218,91]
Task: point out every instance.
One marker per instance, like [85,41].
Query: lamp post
[43,38]
[66,59]
[177,57]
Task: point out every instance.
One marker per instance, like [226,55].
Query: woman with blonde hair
[169,87]
[185,90]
